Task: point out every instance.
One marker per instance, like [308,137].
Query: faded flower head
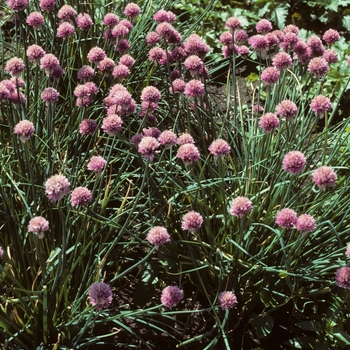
[342,277]
[15,66]
[192,221]
[321,104]
[148,147]
[324,177]
[227,300]
[158,236]
[112,124]
[287,109]
[87,127]
[24,129]
[81,196]
[269,122]
[219,147]
[171,296]
[56,187]
[100,295]
[306,223]
[96,164]
[189,153]
[286,218]
[241,206]
[38,225]
[294,162]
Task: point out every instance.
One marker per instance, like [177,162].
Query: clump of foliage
[140,197]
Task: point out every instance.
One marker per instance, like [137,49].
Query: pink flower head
[56,187]
[122,46]
[127,60]
[158,236]
[179,53]
[189,153]
[289,40]
[185,138]
[291,28]
[47,5]
[24,129]
[35,53]
[49,95]
[112,124]
[258,42]
[65,30]
[318,67]
[342,277]
[154,132]
[195,46]
[306,223]
[177,86]
[110,19]
[158,55]
[347,251]
[96,164]
[4,92]
[81,196]
[294,162]
[38,225]
[136,139]
[227,300]
[15,66]
[192,221]
[241,206]
[321,104]
[167,139]
[148,147]
[84,21]
[330,56]
[120,31]
[96,55]
[194,64]
[87,127]
[219,147]
[152,38]
[316,46]
[226,38]
[17,5]
[66,13]
[194,88]
[150,94]
[282,60]
[120,71]
[100,295]
[35,20]
[106,65]
[286,218]
[1,252]
[49,63]
[132,10]
[258,109]
[165,29]
[270,75]
[233,23]
[85,73]
[324,176]
[272,39]
[287,109]
[240,37]
[263,26]
[17,97]
[164,16]
[330,36]
[269,122]
[243,51]
[171,296]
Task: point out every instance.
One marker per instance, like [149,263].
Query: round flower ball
[158,236]
[324,177]
[241,206]
[24,129]
[100,295]
[227,300]
[306,223]
[56,187]
[219,147]
[38,225]
[81,196]
[171,296]
[269,122]
[189,153]
[342,277]
[192,221]
[286,218]
[96,164]
[294,162]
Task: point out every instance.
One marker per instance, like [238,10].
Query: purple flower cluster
[56,187]
[192,221]
[100,295]
[286,218]
[269,122]
[342,277]
[96,164]
[81,196]
[38,225]
[241,206]
[158,236]
[171,296]
[148,147]
[219,147]
[294,162]
[24,129]
[227,300]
